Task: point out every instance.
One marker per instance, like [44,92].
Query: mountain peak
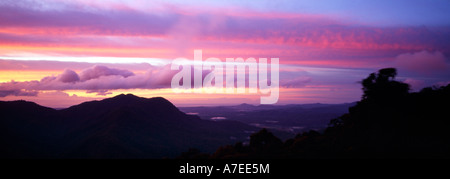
[125,97]
[130,98]
[124,126]
[158,105]
[246,104]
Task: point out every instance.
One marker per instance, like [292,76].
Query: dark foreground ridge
[125,126]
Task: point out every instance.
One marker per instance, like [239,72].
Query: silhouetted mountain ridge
[125,126]
[157,105]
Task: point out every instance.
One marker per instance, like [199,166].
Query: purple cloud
[295,82]
[68,76]
[97,79]
[17,92]
[99,92]
[98,71]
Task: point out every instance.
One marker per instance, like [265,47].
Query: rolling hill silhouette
[125,126]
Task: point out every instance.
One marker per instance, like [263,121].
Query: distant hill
[294,118]
[125,126]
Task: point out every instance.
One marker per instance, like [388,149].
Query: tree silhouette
[391,121]
[382,86]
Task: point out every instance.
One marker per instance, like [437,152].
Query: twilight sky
[60,53]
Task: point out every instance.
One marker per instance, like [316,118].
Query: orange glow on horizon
[25,75]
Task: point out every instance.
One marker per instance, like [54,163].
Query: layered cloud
[99,71]
[98,79]
[101,80]
[168,32]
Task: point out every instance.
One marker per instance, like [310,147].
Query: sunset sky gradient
[60,53]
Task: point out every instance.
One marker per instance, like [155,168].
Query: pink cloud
[177,28]
[423,62]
